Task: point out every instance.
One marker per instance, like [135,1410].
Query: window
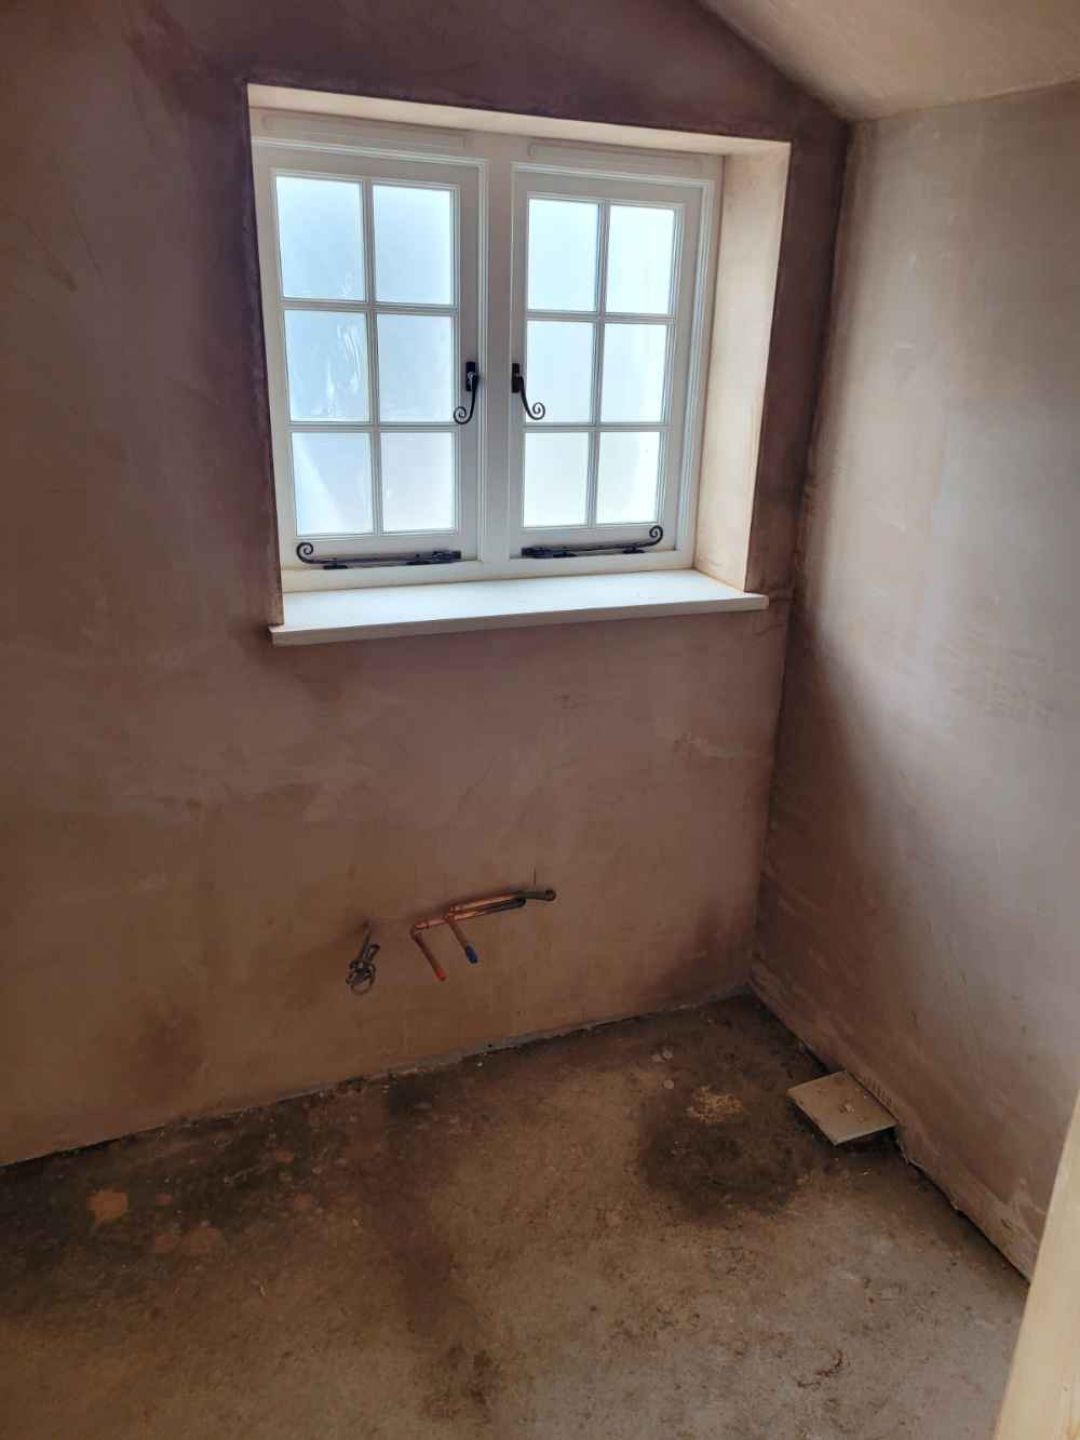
[484,352]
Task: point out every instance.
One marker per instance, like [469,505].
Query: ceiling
[877,57]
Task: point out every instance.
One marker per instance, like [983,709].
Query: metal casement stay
[305,552]
[569,550]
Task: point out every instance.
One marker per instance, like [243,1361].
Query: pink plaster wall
[921,905]
[195,825]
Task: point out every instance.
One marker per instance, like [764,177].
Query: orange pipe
[467,910]
[440,973]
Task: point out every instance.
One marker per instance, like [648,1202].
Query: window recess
[485,359]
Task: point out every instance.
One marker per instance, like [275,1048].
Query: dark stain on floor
[465,1385]
[722,1142]
[213,1176]
[623,1232]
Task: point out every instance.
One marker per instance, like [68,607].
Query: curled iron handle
[472,385]
[517,387]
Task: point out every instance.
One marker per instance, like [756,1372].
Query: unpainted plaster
[920,913]
[195,825]
[877,57]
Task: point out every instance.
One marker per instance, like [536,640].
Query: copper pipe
[468,910]
[490,904]
[455,930]
[440,973]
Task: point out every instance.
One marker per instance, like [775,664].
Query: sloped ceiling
[877,57]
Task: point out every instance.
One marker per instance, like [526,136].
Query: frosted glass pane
[558,368]
[414,245]
[641,248]
[418,481]
[416,367]
[326,357]
[321,236]
[332,484]
[556,478]
[562,254]
[633,381]
[626,477]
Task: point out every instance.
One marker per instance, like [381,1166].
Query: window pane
[641,248]
[626,478]
[558,368]
[634,362]
[321,238]
[414,245]
[562,254]
[418,481]
[326,357]
[332,484]
[416,367]
[556,478]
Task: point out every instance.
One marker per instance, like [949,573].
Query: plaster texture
[920,909]
[877,58]
[195,826]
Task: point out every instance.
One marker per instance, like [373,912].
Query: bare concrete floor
[620,1234]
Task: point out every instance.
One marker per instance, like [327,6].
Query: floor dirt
[627,1233]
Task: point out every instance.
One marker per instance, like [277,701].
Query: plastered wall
[921,906]
[196,825]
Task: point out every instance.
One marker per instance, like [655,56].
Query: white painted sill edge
[321,617]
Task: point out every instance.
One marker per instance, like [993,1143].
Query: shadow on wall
[920,906]
[885,935]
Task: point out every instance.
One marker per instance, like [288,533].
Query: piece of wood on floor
[840,1108]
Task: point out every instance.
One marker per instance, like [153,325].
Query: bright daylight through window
[484,353]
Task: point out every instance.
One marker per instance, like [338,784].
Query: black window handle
[472,385]
[517,387]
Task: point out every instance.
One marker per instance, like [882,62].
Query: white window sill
[319,617]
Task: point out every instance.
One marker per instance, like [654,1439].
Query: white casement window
[485,353]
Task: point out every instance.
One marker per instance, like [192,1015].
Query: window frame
[499,163]
[673,480]
[370,168]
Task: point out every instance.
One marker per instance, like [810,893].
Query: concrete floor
[620,1234]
